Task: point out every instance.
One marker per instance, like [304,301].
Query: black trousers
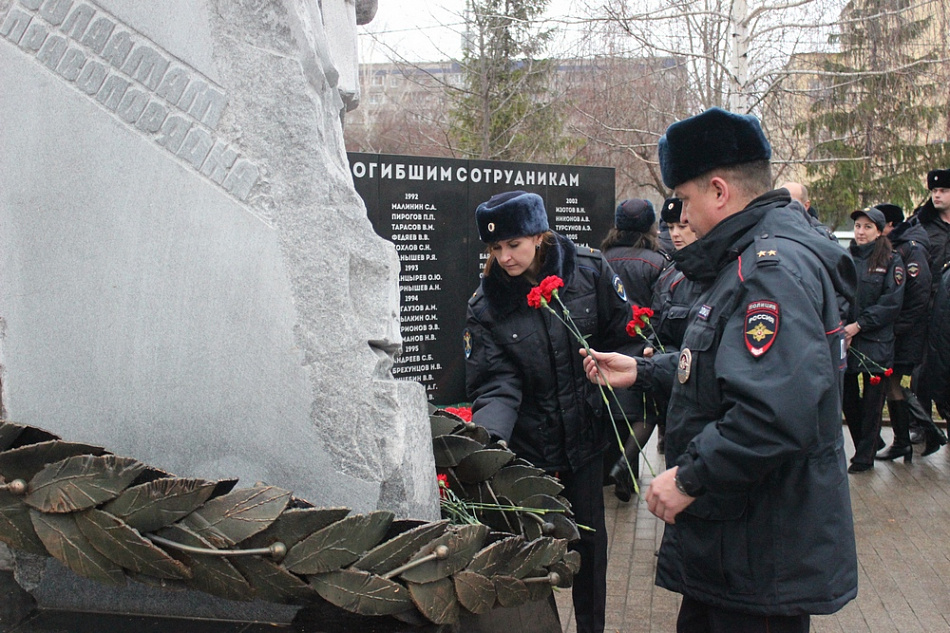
[696,617]
[863,415]
[584,489]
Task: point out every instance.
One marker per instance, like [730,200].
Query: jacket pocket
[714,544]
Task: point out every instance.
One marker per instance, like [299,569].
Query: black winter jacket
[673,297]
[911,242]
[524,374]
[938,351]
[876,307]
[754,422]
[639,270]
[938,233]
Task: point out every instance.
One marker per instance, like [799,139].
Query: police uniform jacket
[673,297]
[938,352]
[876,306]
[524,374]
[639,269]
[938,232]
[911,241]
[754,422]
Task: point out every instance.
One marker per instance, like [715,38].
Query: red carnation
[646,312]
[463,412]
[632,328]
[549,285]
[443,485]
[534,297]
[875,380]
[888,371]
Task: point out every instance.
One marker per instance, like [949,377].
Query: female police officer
[870,336]
[525,378]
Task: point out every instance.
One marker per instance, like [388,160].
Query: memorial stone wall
[426,207]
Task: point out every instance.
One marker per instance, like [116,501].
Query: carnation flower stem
[572,328]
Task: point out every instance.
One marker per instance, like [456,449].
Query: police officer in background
[934,217]
[910,240]
[760,533]
[632,250]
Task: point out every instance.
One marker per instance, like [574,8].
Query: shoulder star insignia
[773,252]
[761,253]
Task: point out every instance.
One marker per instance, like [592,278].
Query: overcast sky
[426,31]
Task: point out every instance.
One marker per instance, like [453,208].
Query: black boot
[900,422]
[934,438]
[623,488]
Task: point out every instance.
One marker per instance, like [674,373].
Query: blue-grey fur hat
[715,138]
[672,210]
[511,214]
[635,214]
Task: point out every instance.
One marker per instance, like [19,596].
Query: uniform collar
[703,259]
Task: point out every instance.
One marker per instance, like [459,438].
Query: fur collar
[506,294]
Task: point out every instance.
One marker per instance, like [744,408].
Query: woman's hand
[617,370]
[648,352]
[850,331]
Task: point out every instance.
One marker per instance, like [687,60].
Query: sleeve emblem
[618,287]
[898,275]
[913,269]
[761,326]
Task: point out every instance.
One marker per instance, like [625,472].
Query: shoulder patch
[913,269]
[761,326]
[898,275]
[618,287]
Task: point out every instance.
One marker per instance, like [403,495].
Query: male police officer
[756,498]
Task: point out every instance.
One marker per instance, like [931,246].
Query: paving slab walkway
[902,523]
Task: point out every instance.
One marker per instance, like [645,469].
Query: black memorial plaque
[426,208]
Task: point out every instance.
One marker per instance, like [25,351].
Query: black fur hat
[635,214]
[938,178]
[511,214]
[672,209]
[715,138]
[893,214]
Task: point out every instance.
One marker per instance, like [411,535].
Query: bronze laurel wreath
[111,518]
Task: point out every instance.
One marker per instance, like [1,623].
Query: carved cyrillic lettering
[218,163]
[173,132]
[173,85]
[242,178]
[77,21]
[153,117]
[112,92]
[54,11]
[203,102]
[15,25]
[146,66]
[35,36]
[118,48]
[91,77]
[72,63]
[132,105]
[98,34]
[52,52]
[196,147]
